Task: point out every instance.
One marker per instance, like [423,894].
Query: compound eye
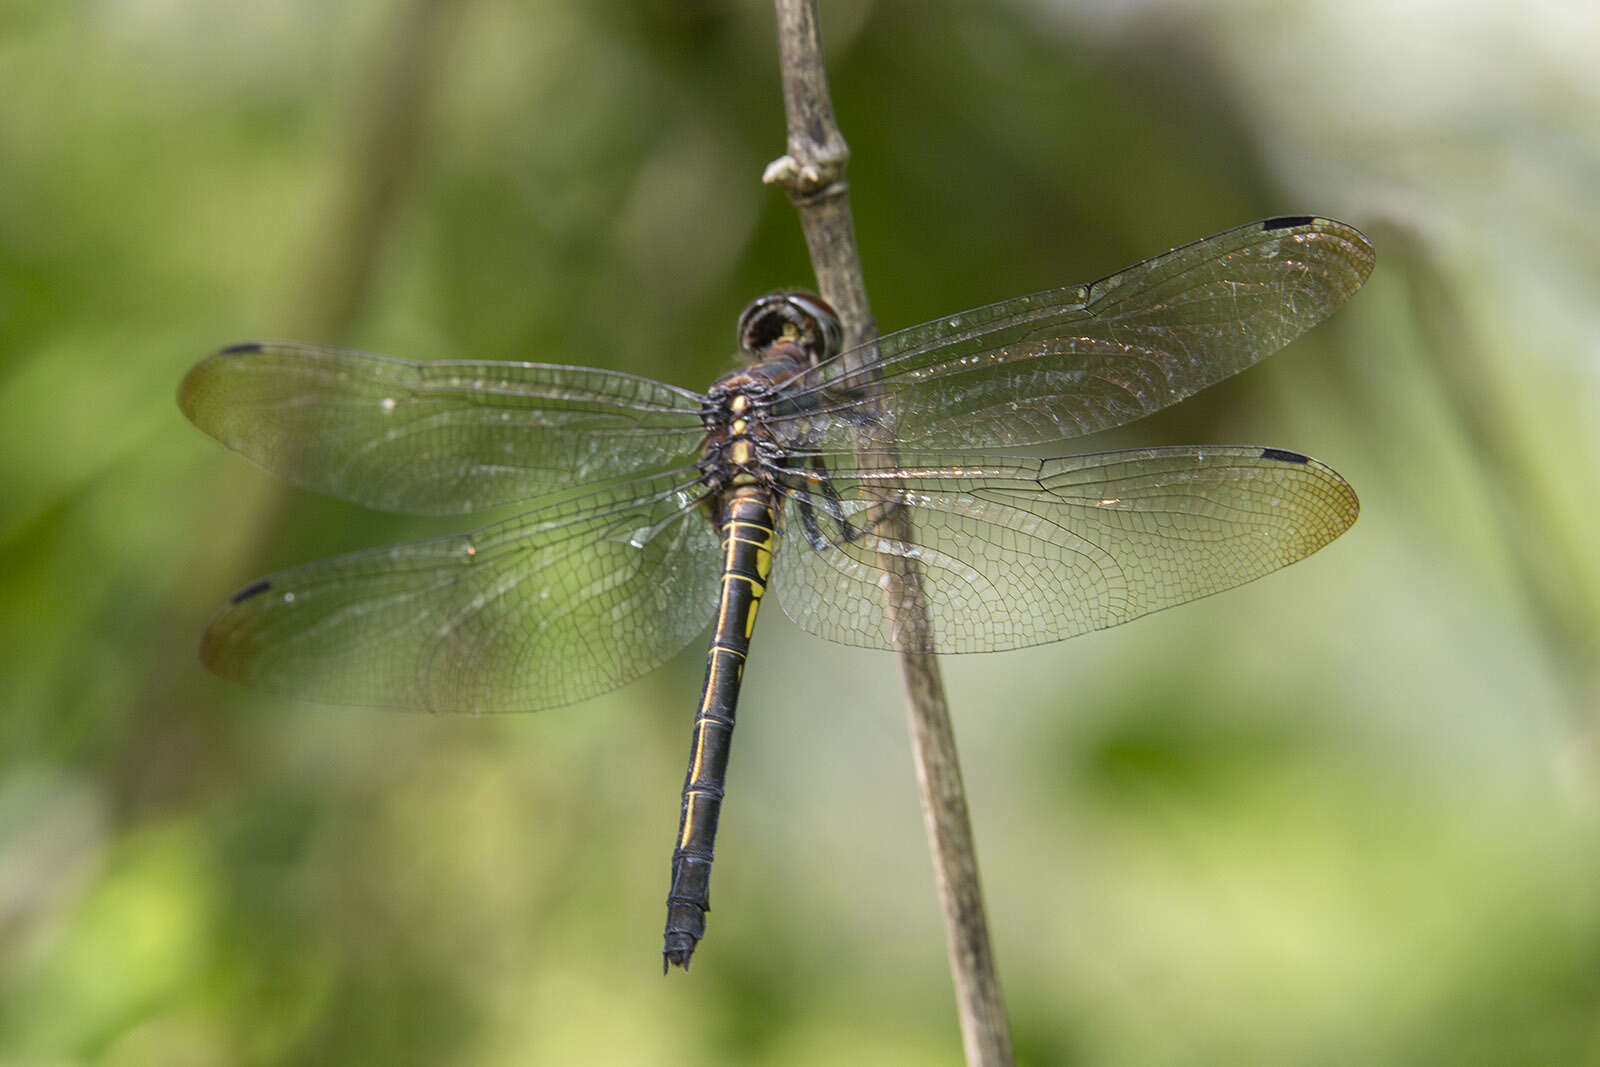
[803,318]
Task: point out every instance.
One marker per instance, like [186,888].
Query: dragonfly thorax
[739,447]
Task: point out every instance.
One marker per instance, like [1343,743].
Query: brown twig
[384,154]
[813,174]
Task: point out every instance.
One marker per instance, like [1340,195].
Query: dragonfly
[656,510]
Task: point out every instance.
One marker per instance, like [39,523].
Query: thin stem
[386,148]
[813,174]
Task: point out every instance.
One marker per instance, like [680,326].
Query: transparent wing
[1077,360]
[1022,552]
[434,438]
[555,606]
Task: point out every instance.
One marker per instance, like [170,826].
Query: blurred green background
[1347,814]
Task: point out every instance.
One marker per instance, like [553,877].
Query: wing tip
[192,390]
[1343,506]
[1363,254]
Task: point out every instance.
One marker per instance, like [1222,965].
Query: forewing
[1080,359]
[1022,552]
[434,438]
[555,606]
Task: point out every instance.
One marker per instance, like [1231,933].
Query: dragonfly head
[801,318]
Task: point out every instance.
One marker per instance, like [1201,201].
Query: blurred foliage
[1345,815]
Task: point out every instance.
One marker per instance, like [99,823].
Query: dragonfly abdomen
[748,529]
